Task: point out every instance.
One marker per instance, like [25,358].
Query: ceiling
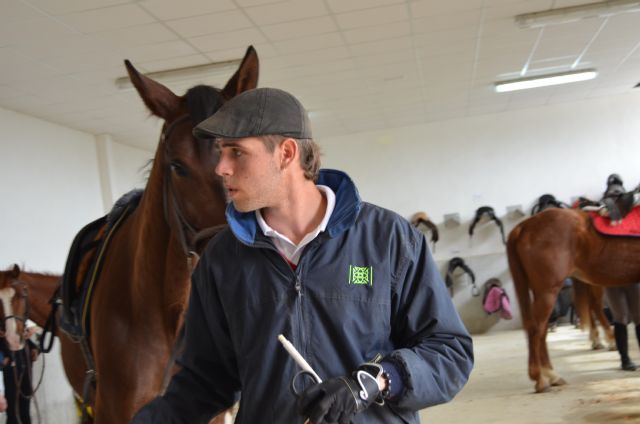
[356,64]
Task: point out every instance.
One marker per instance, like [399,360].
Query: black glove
[338,399]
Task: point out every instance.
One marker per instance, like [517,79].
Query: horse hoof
[612,348]
[542,388]
[559,382]
[597,346]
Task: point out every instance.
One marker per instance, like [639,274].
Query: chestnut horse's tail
[519,276]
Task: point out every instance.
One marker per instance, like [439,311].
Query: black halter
[188,235]
[25,298]
[18,375]
[486,210]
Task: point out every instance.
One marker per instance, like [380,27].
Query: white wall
[121,168]
[50,187]
[497,160]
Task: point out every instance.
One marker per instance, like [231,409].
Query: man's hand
[338,399]
[30,331]
[3,403]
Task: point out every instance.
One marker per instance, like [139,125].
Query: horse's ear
[15,271]
[159,99]
[246,77]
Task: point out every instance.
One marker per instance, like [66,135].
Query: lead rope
[26,370]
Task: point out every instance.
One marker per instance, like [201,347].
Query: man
[611,196]
[17,364]
[345,281]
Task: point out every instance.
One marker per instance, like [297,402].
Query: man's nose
[223,167]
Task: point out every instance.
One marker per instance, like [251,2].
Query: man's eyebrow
[226,143]
[223,142]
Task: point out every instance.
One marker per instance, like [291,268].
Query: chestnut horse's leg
[523,287]
[585,298]
[545,362]
[597,308]
[537,289]
[594,334]
[589,304]
[540,368]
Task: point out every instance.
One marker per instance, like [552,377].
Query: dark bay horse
[141,293]
[545,249]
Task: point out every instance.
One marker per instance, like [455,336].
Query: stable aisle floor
[499,390]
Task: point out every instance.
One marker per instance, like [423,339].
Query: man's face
[251,174]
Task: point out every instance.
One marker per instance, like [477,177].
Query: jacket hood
[244,225]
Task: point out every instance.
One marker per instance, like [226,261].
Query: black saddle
[619,206]
[458,262]
[488,211]
[547,201]
[88,245]
[616,206]
[420,220]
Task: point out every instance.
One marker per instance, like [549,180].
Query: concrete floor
[499,390]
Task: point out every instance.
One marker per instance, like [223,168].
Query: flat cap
[261,111]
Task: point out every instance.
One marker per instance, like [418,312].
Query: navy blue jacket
[366,286]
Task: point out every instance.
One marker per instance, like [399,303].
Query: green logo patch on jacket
[361,275]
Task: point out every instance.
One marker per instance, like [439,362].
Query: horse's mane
[39,273]
[31,272]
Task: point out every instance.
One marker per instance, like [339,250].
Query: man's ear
[288,152]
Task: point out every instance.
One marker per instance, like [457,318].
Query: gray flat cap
[261,111]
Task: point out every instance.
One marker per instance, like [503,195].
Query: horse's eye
[179,168]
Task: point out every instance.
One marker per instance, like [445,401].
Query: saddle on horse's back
[84,264]
[614,206]
[619,206]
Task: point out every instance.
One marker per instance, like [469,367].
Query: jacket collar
[245,227]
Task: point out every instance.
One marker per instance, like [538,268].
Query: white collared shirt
[286,247]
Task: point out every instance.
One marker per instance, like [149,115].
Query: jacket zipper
[299,312]
[297,273]
[298,287]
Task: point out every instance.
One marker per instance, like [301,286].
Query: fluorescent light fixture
[563,15]
[545,80]
[206,72]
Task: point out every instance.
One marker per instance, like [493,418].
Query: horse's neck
[41,288]
[160,266]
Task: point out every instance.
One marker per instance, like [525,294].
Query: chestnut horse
[545,249]
[33,293]
[15,288]
[141,293]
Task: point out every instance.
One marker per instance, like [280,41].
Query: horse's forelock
[202,102]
